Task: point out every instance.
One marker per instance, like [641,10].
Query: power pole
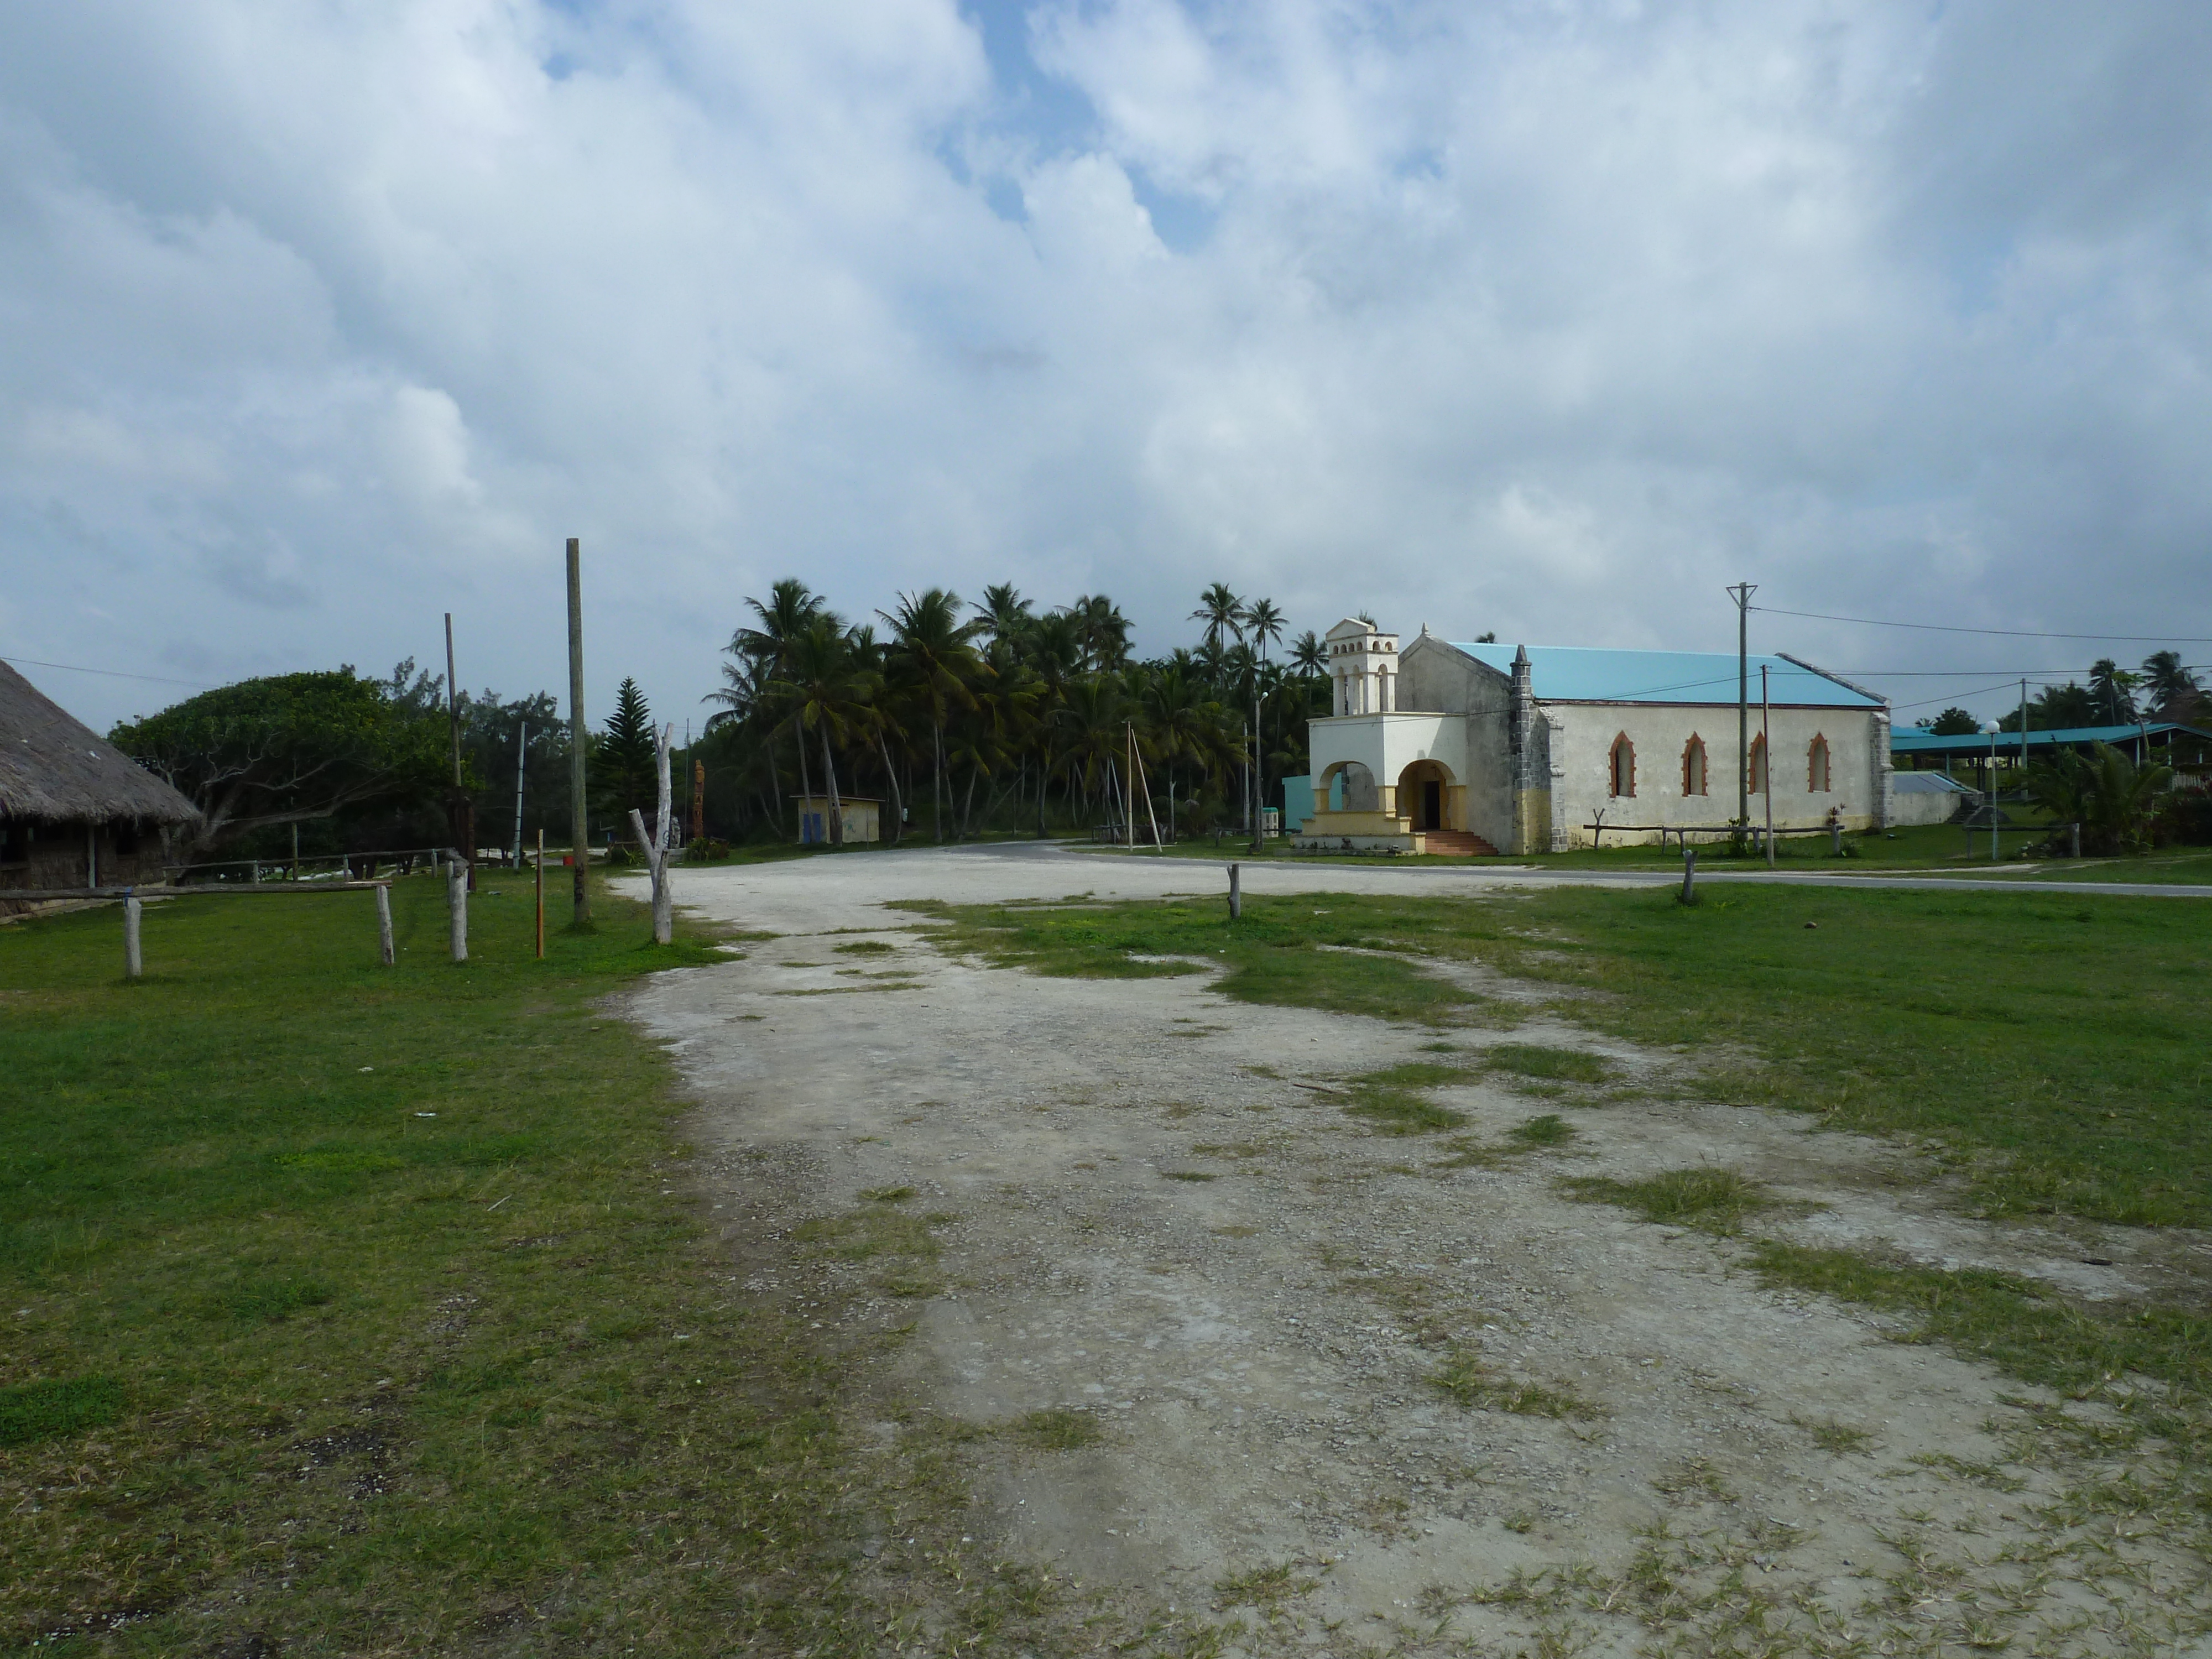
[1741,594]
[579,840]
[460,812]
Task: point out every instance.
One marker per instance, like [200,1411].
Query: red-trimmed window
[1623,766]
[1693,766]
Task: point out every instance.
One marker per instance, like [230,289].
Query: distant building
[1475,748]
[860,816]
[75,810]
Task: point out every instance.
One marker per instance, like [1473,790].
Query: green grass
[1402,1112]
[866,947]
[1058,1429]
[1711,1200]
[1538,1133]
[342,1299]
[2053,1043]
[1535,1059]
[1266,958]
[2016,1324]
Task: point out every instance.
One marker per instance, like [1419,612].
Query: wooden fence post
[134,960]
[456,906]
[384,951]
[1236,894]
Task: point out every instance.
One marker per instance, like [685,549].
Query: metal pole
[2023,727]
[521,750]
[1766,754]
[541,895]
[1993,791]
[578,835]
[1741,592]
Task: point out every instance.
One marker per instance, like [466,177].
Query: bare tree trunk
[890,777]
[937,782]
[829,771]
[806,783]
[968,807]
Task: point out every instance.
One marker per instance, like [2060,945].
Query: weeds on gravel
[1058,1429]
[1540,1134]
[1262,1587]
[1538,1060]
[1840,1439]
[1402,1112]
[1418,1074]
[866,947]
[1189,1175]
[1464,1379]
[1710,1200]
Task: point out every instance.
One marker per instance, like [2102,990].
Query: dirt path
[1246,1295]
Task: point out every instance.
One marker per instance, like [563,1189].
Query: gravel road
[1248,1294]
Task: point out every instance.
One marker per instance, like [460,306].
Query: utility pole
[522,751]
[460,812]
[2023,728]
[580,845]
[1766,757]
[1741,594]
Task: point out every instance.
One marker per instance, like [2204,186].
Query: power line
[112,673]
[2000,633]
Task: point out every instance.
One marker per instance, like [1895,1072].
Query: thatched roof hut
[56,769]
[73,806]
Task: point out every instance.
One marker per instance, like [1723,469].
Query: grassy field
[2054,1045]
[1920,847]
[368,1310]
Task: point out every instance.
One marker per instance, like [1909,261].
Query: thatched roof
[53,766]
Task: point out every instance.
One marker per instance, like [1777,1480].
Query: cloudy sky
[318,320]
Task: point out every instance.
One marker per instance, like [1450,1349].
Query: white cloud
[1546,318]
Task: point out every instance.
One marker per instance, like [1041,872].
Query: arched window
[1624,766]
[1816,766]
[1759,765]
[1693,766]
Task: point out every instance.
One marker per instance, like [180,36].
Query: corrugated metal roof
[1579,673]
[1923,743]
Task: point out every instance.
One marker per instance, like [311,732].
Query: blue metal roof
[1965,742]
[1576,674]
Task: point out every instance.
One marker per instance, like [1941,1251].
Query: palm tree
[2105,793]
[1104,632]
[1309,655]
[1222,612]
[2114,689]
[820,691]
[1263,624]
[757,654]
[1004,613]
[933,661]
[2174,692]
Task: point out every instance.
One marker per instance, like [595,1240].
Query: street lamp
[1990,726]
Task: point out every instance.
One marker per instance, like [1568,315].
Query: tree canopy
[293,748]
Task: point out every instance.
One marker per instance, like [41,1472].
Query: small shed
[75,810]
[858,815]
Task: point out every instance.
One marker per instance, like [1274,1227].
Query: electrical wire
[2000,633]
[112,673]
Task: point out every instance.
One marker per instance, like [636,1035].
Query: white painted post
[456,906]
[134,961]
[384,953]
[1236,894]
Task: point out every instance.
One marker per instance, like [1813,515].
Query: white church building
[1467,748]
